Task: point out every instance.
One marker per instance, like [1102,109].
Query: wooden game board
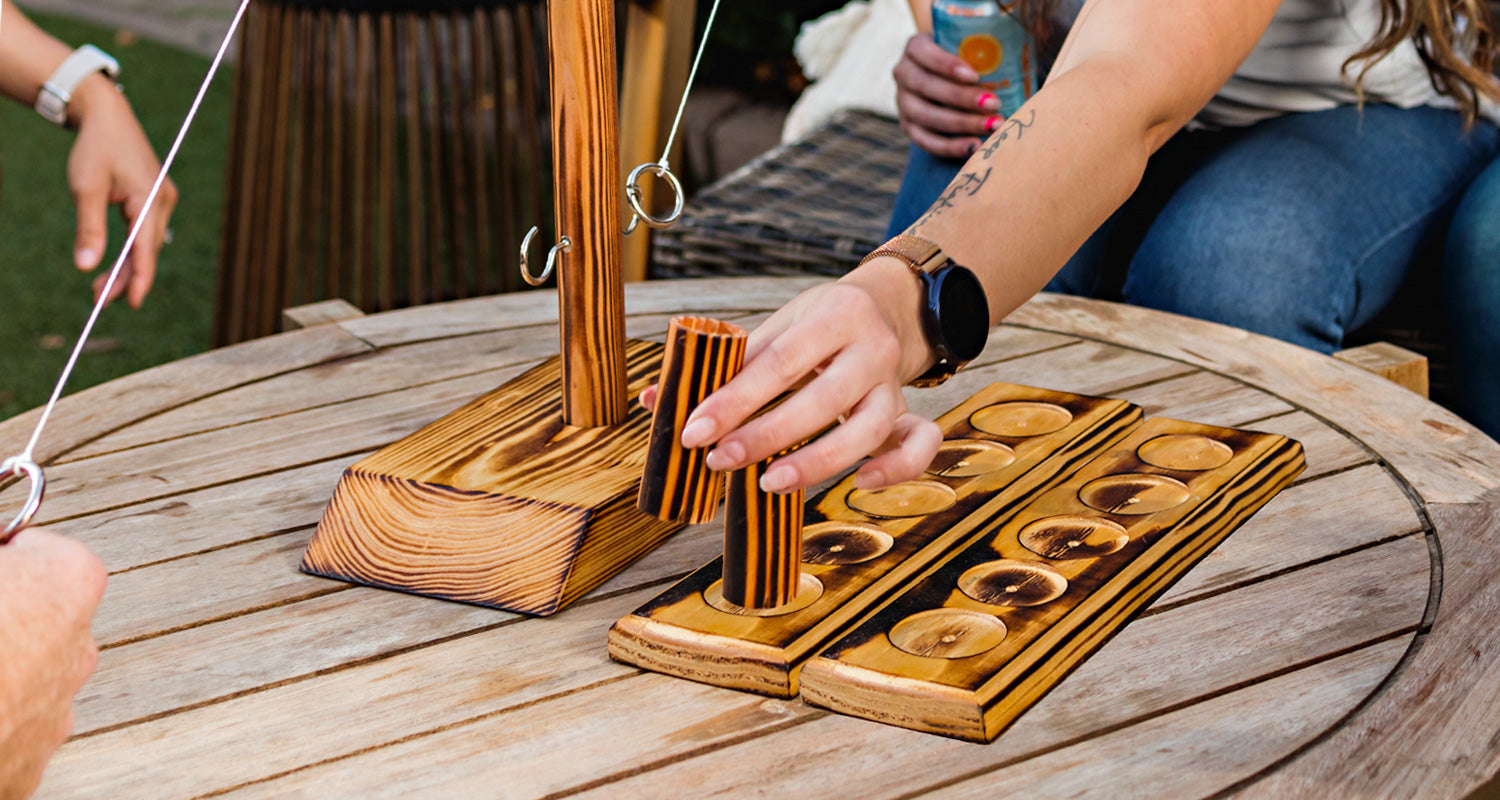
[1004,446]
[964,651]
[954,602]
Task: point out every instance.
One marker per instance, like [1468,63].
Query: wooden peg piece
[701,355]
[762,542]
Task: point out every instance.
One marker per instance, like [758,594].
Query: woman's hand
[843,350]
[943,108]
[112,164]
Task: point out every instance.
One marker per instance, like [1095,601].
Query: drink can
[988,35]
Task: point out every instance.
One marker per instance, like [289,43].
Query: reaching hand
[112,163]
[943,108]
[844,351]
[49,588]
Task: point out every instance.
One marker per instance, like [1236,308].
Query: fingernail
[972,147]
[85,258]
[992,123]
[696,433]
[777,479]
[724,457]
[989,102]
[966,74]
[873,479]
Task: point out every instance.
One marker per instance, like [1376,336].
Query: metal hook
[23,468]
[633,194]
[537,280]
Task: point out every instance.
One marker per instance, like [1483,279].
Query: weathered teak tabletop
[1341,644]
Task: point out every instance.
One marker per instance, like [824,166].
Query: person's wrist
[897,292]
[93,92]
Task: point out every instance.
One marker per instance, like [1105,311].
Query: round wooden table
[1339,644]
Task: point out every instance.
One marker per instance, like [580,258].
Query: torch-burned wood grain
[701,356]
[586,168]
[977,697]
[498,503]
[762,541]
[851,590]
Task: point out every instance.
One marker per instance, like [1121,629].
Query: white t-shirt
[1298,66]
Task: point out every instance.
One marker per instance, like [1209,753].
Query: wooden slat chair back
[387,153]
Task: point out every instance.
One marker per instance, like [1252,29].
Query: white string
[135,230]
[692,75]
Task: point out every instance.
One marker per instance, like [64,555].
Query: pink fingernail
[989,102]
[966,74]
[992,123]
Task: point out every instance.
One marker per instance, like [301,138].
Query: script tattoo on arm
[1012,129]
[968,184]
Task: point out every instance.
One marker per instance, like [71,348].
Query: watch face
[957,299]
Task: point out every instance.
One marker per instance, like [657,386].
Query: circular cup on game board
[830,543]
[1009,582]
[966,458]
[809,589]
[1021,418]
[1185,451]
[1134,493]
[911,499]
[947,633]
[1068,537]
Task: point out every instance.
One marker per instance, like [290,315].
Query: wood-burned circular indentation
[911,499]
[809,589]
[1067,537]
[965,458]
[1021,418]
[830,543]
[1009,582]
[948,633]
[1185,451]
[1134,493]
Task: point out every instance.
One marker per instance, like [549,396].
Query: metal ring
[21,467]
[537,280]
[634,195]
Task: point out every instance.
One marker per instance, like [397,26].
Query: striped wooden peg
[701,355]
[762,542]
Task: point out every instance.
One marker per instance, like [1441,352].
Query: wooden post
[586,164]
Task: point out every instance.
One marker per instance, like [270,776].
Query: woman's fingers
[908,452]
[865,429]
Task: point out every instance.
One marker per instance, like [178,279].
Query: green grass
[44,301]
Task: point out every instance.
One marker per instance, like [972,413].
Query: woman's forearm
[28,55]
[1131,73]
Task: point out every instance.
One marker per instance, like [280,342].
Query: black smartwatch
[955,313]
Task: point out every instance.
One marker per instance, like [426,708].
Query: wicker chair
[820,204]
[817,205]
[386,152]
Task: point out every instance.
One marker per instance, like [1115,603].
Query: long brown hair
[1455,38]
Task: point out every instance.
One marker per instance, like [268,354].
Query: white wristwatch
[52,101]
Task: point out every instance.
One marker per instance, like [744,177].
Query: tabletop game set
[952,603]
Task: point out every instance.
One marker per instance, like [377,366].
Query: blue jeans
[1471,302]
[1301,227]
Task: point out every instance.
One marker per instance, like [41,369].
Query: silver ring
[537,280]
[21,467]
[634,196]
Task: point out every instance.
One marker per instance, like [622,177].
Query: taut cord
[25,465]
[662,168]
